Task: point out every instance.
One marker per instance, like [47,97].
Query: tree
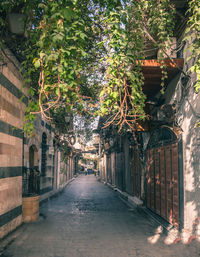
[78,53]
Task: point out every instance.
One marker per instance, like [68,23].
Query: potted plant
[30,199]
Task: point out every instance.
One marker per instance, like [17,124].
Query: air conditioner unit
[170,50]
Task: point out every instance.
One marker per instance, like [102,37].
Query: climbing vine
[127,31]
[192,36]
[76,52]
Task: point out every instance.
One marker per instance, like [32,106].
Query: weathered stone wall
[47,179]
[11,143]
[113,169]
[57,171]
[15,149]
[182,94]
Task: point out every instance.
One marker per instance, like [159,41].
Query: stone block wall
[18,153]
[47,179]
[11,143]
[187,110]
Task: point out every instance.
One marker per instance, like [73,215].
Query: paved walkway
[89,220]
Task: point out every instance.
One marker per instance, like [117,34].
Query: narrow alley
[88,219]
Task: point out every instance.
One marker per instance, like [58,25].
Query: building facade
[161,167]
[20,155]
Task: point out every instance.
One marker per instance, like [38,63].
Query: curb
[133,201]
[53,193]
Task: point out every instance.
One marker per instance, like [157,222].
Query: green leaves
[36,63]
[68,13]
[42,6]
[53,57]
[57,37]
[80,51]
[122,95]
[192,37]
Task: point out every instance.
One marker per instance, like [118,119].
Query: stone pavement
[89,220]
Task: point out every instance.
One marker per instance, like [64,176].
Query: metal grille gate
[162,181]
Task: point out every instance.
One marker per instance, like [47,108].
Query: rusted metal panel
[175,181]
[135,170]
[157,180]
[148,180]
[132,170]
[162,187]
[108,169]
[119,179]
[139,170]
[169,182]
[113,168]
[152,177]
[163,182]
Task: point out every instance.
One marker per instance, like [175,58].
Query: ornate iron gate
[162,180]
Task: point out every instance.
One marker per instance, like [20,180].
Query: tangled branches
[127,114]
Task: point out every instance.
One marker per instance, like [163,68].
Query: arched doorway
[31,176]
[31,188]
[163,178]
[33,157]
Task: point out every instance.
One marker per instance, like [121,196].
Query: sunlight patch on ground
[173,234]
[154,239]
[198,232]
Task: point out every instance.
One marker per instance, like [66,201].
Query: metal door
[108,168]
[162,179]
[135,168]
[120,181]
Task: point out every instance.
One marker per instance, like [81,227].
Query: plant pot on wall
[30,208]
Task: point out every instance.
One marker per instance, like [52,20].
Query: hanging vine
[192,36]
[127,29]
[78,51]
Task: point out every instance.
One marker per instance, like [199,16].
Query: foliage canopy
[85,56]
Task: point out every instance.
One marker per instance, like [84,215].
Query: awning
[152,74]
